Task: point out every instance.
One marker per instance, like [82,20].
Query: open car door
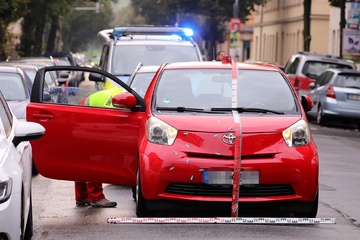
[85,142]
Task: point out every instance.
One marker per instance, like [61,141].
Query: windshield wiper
[254,110]
[183,109]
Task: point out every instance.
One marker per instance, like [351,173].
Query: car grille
[225,190]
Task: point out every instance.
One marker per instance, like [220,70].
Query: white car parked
[15,173]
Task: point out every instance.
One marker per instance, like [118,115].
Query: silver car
[16,220]
[336,96]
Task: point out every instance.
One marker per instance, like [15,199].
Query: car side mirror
[26,131]
[312,85]
[307,102]
[124,100]
[95,77]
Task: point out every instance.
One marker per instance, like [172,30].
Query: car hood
[18,108]
[204,135]
[225,123]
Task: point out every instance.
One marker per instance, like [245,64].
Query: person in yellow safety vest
[103,98]
[89,193]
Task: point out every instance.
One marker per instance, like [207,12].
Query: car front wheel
[141,209]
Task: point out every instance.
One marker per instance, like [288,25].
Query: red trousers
[89,190]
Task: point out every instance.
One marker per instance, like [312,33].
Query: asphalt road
[57,217]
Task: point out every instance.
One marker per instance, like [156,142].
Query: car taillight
[330,92]
[297,84]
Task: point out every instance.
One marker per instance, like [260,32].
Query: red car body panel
[107,145]
[79,139]
[199,148]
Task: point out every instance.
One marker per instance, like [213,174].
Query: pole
[236,9]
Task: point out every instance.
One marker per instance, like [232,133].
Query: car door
[84,143]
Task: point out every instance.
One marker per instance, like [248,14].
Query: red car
[181,142]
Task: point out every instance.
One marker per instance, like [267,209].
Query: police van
[125,47]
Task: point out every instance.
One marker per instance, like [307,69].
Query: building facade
[278,30]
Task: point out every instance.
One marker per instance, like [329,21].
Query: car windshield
[12,87]
[348,81]
[141,82]
[211,90]
[31,73]
[313,69]
[127,57]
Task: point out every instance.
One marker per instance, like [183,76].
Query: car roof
[10,69]
[343,70]
[24,65]
[148,68]
[218,64]
[323,57]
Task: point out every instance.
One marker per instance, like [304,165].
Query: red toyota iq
[202,132]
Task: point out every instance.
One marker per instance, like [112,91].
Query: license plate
[354,97]
[226,177]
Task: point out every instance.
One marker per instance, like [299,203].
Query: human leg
[97,197]
[81,193]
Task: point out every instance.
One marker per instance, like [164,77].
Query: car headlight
[297,135]
[5,189]
[159,132]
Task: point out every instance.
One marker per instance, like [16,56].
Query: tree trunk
[307,25]
[50,47]
[342,23]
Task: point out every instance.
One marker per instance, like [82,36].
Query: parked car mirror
[26,131]
[96,77]
[307,102]
[312,85]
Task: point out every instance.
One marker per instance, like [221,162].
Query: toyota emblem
[229,138]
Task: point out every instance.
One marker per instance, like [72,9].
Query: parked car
[177,144]
[336,96]
[125,47]
[16,87]
[51,78]
[141,78]
[16,219]
[303,68]
[67,59]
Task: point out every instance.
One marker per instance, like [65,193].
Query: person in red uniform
[89,193]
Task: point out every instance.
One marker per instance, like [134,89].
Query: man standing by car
[89,193]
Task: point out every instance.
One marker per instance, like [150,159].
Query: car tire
[133,189]
[141,209]
[29,225]
[34,170]
[320,118]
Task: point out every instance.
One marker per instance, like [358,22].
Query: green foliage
[10,10]
[80,28]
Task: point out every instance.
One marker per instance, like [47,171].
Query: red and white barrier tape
[229,220]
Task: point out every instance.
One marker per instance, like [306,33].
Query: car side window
[324,78]
[5,117]
[292,67]
[104,56]
[327,78]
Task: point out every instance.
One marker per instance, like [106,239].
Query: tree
[80,28]
[210,16]
[307,25]
[342,5]
[10,10]
[41,13]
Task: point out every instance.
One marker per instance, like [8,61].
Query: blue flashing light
[188,32]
